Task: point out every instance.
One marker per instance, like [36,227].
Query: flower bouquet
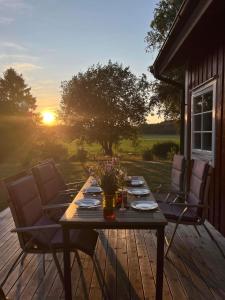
[110,177]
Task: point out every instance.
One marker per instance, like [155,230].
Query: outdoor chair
[193,210]
[37,233]
[177,179]
[52,188]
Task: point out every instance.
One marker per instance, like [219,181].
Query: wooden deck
[124,269]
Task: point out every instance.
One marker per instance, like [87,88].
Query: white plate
[88,203]
[136,182]
[144,205]
[138,192]
[93,190]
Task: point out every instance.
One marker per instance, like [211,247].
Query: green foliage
[45,150]
[163,128]
[166,98]
[17,121]
[81,155]
[164,15]
[105,104]
[147,155]
[15,95]
[162,150]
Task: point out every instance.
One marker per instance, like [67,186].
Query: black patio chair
[37,233]
[177,181]
[193,210]
[52,188]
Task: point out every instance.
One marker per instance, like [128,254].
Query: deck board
[124,267]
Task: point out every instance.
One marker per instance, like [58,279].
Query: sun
[48,117]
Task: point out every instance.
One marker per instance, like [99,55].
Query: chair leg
[43,264]
[58,267]
[196,228]
[214,240]
[12,268]
[171,241]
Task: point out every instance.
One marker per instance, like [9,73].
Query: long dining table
[79,218]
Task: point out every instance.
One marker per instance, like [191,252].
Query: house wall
[200,69]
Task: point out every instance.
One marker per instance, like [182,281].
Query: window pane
[207,101]
[207,122]
[197,122]
[197,140]
[197,104]
[207,141]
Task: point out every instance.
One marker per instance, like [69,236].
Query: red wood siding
[210,64]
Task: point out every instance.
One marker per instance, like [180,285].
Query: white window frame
[197,153]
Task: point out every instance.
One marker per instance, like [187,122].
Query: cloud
[13,4]
[24,57]
[6,20]
[23,67]
[13,46]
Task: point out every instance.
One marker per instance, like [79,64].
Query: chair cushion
[84,240]
[26,200]
[172,212]
[177,173]
[197,182]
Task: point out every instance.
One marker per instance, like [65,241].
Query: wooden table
[129,219]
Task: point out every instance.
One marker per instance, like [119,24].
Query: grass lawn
[155,173]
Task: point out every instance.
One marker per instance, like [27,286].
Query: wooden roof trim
[174,41]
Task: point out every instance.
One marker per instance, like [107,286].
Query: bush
[81,155]
[147,154]
[164,150]
[45,150]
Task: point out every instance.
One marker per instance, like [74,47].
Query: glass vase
[109,206]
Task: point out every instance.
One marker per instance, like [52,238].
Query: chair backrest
[48,180]
[25,204]
[178,173]
[199,184]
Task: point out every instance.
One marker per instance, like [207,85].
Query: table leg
[160,261]
[66,259]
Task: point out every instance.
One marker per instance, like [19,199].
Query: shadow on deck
[124,267]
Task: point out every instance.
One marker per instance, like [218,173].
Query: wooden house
[196,45]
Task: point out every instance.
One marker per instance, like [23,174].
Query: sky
[49,41]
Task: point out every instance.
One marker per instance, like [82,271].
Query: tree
[15,95]
[165,97]
[105,104]
[16,114]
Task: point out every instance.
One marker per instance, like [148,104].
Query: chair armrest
[75,182]
[56,206]
[189,205]
[36,228]
[68,191]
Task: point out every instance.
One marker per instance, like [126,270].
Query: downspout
[182,102]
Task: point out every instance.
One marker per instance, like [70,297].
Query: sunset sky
[49,41]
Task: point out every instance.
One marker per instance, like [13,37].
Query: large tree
[16,114]
[165,97]
[15,95]
[105,103]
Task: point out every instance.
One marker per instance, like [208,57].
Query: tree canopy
[16,105]
[105,103]
[15,95]
[165,97]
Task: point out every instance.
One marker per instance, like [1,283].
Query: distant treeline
[166,127]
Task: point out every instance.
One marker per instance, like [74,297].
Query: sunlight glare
[48,118]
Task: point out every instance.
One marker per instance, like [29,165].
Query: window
[203,122]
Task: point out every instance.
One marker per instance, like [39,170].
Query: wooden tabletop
[93,218]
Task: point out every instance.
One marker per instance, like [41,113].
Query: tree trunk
[107,147]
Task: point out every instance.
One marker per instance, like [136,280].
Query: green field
[156,172]
[126,146]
